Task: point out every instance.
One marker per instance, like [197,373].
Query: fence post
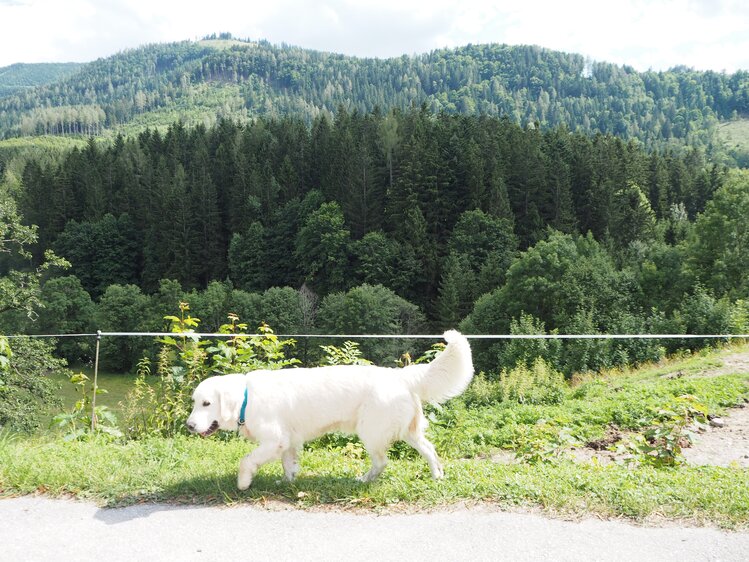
[96,380]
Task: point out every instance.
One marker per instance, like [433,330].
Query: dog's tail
[448,375]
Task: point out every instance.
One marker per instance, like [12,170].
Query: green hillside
[202,81]
[16,78]
[734,138]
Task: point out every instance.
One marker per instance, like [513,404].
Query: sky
[644,34]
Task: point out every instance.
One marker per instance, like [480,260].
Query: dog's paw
[438,473]
[243,483]
[368,477]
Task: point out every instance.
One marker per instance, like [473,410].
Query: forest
[20,77]
[394,222]
[200,81]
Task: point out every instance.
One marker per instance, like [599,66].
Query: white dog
[281,410]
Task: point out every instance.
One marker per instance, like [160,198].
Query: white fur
[286,408]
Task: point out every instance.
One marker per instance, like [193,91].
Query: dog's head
[215,404]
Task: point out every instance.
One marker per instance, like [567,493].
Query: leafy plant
[661,444]
[5,355]
[160,406]
[543,442]
[27,393]
[430,354]
[348,354]
[539,384]
[78,422]
[244,352]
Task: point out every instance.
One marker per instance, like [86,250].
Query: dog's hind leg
[425,448]
[376,445]
[416,438]
[263,453]
[379,459]
[290,461]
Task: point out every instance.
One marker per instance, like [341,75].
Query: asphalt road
[40,529]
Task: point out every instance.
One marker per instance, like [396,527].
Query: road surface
[41,529]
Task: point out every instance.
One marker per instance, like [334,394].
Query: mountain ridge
[19,76]
[203,81]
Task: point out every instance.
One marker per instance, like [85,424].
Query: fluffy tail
[448,375]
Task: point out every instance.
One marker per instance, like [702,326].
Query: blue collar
[244,406]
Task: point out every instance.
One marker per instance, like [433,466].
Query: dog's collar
[244,406]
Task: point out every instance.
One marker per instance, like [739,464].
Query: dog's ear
[227,405]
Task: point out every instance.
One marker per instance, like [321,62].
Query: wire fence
[101,334]
[392,336]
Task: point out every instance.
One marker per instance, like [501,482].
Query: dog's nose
[190,425]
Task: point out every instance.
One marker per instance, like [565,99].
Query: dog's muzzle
[210,431]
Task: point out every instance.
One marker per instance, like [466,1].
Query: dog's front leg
[249,465]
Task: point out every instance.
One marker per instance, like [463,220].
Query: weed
[546,441]
[539,384]
[348,354]
[661,444]
[78,422]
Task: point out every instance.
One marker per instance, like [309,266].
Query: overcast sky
[657,34]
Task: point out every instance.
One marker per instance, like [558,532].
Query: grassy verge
[467,435]
[204,471]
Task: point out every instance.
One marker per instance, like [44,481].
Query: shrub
[26,393]
[161,407]
[78,422]
[538,384]
[482,391]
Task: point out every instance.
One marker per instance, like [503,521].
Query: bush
[123,308]
[539,384]
[68,309]
[526,351]
[161,407]
[482,391]
[26,394]
[372,309]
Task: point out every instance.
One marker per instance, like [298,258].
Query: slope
[202,81]
[18,77]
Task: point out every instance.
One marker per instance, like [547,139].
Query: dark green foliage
[718,253]
[26,394]
[369,309]
[21,77]
[247,258]
[322,248]
[528,84]
[68,309]
[283,309]
[560,277]
[567,284]
[122,308]
[153,208]
[102,253]
[470,219]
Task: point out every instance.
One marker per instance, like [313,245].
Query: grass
[117,386]
[468,436]
[734,137]
[189,470]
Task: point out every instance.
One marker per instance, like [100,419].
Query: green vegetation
[390,223]
[19,77]
[734,136]
[468,434]
[154,84]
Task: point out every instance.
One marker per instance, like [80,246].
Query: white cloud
[642,33]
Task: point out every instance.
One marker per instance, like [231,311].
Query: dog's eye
[206,403]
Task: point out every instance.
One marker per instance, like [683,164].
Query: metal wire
[395,336]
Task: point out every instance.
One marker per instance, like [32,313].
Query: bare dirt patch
[723,446]
[727,445]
